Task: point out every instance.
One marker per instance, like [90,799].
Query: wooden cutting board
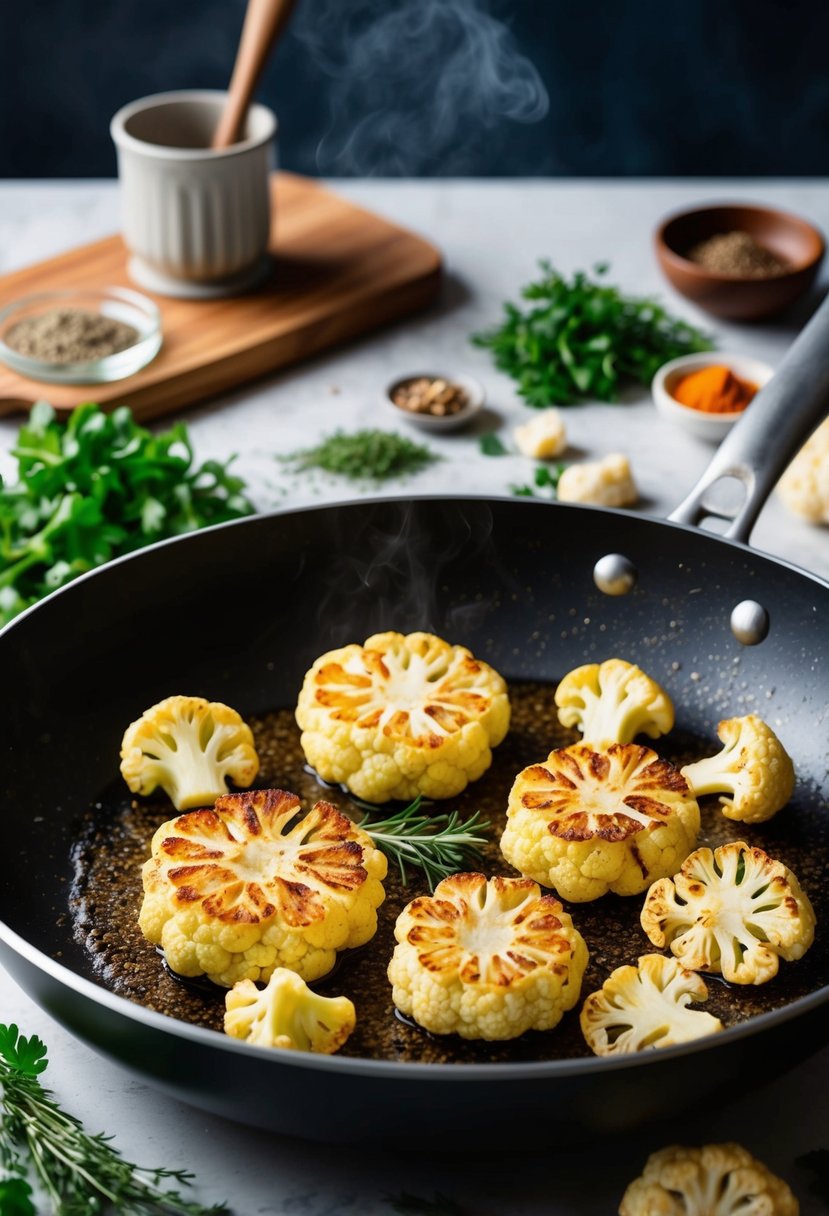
[339,271]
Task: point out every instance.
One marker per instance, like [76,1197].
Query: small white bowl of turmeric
[706,393]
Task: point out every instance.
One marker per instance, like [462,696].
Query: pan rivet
[615,574]
[749,622]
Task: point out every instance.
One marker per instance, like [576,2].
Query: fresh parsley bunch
[79,1173]
[94,488]
[580,339]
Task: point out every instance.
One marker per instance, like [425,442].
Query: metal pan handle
[761,444]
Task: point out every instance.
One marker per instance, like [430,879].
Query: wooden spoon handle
[264,22]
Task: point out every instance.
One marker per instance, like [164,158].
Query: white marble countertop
[492,234]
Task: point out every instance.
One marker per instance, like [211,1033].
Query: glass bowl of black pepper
[739,261]
[80,337]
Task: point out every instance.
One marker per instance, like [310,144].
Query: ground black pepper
[70,335]
[737,253]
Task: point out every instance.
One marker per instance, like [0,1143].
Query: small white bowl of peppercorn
[739,261]
[80,337]
[435,401]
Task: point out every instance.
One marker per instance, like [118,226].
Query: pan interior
[239,614]
[115,840]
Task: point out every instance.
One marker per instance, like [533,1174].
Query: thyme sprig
[439,845]
[81,1174]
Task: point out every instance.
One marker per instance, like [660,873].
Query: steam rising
[418,86]
[392,573]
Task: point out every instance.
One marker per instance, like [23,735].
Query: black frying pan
[238,613]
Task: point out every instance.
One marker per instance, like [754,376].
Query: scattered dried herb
[94,488]
[368,455]
[581,339]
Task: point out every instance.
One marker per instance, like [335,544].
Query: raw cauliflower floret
[613,702]
[753,767]
[646,1006]
[191,748]
[543,437]
[604,483]
[804,487]
[287,1013]
[486,959]
[401,716]
[589,821]
[715,1180]
[734,911]
[235,891]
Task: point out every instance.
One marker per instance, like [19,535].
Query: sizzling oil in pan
[116,841]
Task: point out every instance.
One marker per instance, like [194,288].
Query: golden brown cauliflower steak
[239,889]
[592,820]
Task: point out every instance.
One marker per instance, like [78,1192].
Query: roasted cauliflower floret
[734,911]
[804,487]
[402,716]
[543,437]
[588,821]
[191,748]
[287,1013]
[715,1180]
[613,702]
[605,483]
[646,1006]
[486,959]
[753,767]
[235,891]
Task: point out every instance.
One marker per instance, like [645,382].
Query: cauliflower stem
[191,748]
[753,768]
[613,702]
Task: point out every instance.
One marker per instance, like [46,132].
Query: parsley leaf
[582,339]
[27,1056]
[491,445]
[95,487]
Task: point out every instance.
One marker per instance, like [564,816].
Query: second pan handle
[780,419]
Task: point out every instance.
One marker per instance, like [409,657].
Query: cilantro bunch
[581,339]
[94,488]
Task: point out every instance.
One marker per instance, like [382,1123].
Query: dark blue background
[412,87]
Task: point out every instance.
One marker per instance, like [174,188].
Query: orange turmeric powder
[714,390]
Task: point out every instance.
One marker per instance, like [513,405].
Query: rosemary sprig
[80,1173]
[439,845]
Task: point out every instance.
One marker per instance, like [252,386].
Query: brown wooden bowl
[790,238]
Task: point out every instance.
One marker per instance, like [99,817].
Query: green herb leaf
[582,339]
[16,1198]
[491,445]
[439,845]
[27,1056]
[368,455]
[79,1173]
[95,487]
